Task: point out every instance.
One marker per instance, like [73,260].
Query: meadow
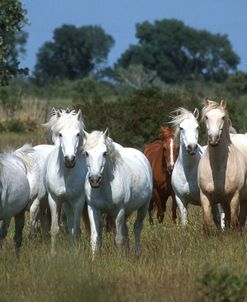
[177,263]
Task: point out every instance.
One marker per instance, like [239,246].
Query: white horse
[119,181]
[184,175]
[14,194]
[65,172]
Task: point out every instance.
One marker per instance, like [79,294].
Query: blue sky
[118,18]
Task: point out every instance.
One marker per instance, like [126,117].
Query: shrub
[221,285]
[136,119]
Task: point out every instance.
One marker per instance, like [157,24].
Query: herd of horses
[92,172]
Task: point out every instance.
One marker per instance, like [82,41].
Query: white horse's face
[96,159]
[189,135]
[69,140]
[214,120]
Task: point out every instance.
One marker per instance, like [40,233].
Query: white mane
[179,115]
[93,139]
[64,118]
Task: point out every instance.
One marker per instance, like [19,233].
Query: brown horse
[162,154]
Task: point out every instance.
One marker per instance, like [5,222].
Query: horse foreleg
[77,209]
[174,208]
[150,210]
[69,218]
[96,228]
[19,225]
[160,208]
[122,237]
[55,209]
[207,212]
[182,209]
[141,214]
[218,216]
[234,206]
[33,213]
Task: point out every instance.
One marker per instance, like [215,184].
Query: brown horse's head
[170,147]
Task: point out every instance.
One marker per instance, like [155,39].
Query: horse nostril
[69,158]
[95,180]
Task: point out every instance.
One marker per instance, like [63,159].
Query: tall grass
[172,259]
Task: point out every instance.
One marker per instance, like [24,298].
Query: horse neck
[218,154]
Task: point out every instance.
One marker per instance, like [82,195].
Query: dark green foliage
[74,53]
[10,99]
[136,119]
[237,83]
[12,39]
[222,285]
[178,52]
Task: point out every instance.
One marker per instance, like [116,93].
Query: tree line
[167,50]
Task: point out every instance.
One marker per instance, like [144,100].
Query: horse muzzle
[95,181]
[213,140]
[69,161]
[191,149]
[170,169]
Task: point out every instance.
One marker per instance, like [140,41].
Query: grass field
[173,260]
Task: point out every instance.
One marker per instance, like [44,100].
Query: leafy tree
[74,53]
[178,52]
[12,39]
[237,83]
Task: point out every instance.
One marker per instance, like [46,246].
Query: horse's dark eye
[78,134]
[60,134]
[180,128]
[206,117]
[104,154]
[86,153]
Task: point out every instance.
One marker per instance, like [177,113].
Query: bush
[134,120]
[15,126]
[221,285]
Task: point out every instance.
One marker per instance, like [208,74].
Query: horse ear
[53,111]
[196,113]
[79,115]
[58,113]
[223,104]
[85,134]
[106,133]
[206,101]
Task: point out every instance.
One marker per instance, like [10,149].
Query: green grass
[172,259]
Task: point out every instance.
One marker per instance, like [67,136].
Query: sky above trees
[118,18]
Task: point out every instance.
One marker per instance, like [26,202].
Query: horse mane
[63,117]
[93,140]
[24,154]
[210,106]
[166,132]
[179,115]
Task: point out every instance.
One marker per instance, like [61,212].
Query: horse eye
[104,154]
[206,117]
[60,134]
[180,128]
[86,153]
[78,134]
